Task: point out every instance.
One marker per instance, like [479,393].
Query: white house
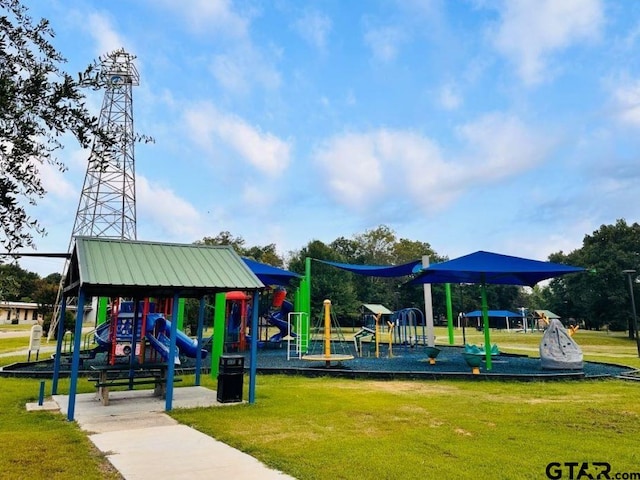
[19,312]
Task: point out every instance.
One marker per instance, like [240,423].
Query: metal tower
[107,206]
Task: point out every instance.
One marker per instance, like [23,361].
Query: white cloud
[365,170]
[55,182]
[314,27]
[626,97]
[533,30]
[107,38]
[210,16]
[449,98]
[503,146]
[263,150]
[159,205]
[242,67]
[384,42]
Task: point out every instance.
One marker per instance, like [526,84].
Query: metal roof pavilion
[137,269]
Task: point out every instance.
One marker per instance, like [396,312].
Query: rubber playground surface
[413,363]
[404,363]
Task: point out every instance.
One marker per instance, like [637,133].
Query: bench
[119,376]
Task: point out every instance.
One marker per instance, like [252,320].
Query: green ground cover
[43,444]
[324,428]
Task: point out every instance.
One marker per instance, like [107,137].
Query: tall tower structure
[107,206]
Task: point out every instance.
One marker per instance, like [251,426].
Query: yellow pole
[327,330]
[391,325]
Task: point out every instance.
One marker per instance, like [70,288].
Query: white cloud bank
[366,169]
[531,31]
[209,127]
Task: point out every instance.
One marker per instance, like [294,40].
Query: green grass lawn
[325,428]
[43,444]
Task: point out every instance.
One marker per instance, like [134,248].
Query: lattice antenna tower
[107,206]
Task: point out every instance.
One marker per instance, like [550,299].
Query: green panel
[101,317]
[219,320]
[181,314]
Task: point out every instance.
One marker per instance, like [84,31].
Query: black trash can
[230,378]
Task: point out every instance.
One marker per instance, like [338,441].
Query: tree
[39,104]
[601,296]
[327,282]
[266,254]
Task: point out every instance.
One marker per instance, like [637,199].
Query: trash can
[230,378]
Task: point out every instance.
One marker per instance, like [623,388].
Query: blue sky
[508,126]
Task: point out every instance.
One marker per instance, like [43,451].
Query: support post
[56,363]
[447,289]
[217,345]
[75,359]
[253,359]
[428,307]
[171,367]
[485,320]
[199,337]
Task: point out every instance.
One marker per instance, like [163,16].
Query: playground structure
[558,350]
[143,333]
[279,314]
[328,355]
[405,327]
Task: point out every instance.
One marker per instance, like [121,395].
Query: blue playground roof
[379,270]
[270,275]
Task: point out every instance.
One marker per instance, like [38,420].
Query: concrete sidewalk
[142,442]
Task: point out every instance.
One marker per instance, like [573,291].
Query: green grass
[323,428]
[43,444]
[327,428]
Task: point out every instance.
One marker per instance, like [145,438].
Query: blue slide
[160,342]
[280,319]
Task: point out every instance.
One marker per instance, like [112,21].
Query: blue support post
[56,363]
[200,324]
[253,359]
[75,359]
[172,354]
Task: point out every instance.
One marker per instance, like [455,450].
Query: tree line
[596,299]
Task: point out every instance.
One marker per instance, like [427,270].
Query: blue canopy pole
[485,320]
[75,359]
[253,358]
[56,362]
[172,353]
[199,355]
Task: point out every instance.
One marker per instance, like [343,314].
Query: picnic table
[126,375]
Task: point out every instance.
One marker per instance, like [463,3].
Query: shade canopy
[270,275]
[493,268]
[379,270]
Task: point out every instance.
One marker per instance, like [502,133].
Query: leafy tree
[327,282]
[39,104]
[265,254]
[601,297]
[16,283]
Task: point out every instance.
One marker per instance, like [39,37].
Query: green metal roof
[377,308]
[125,267]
